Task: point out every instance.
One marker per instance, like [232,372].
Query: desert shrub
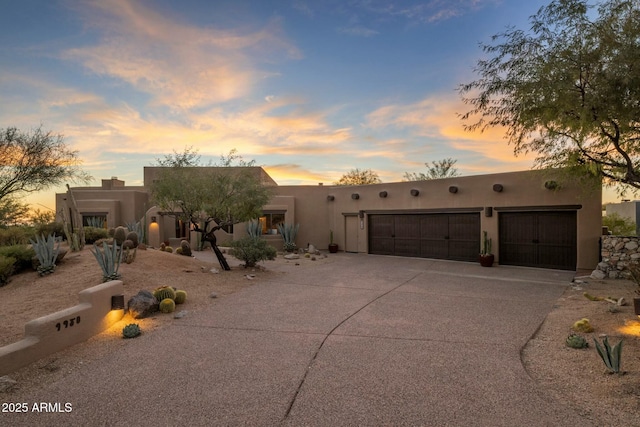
[252,250]
[93,234]
[55,228]
[23,255]
[6,269]
[17,235]
[619,225]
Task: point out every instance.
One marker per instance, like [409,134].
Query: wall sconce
[488,211]
[383,194]
[153,219]
[453,189]
[636,306]
[551,185]
[330,198]
[498,188]
[117,302]
[355,196]
[360,214]
[414,192]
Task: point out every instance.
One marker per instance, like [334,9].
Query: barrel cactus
[132,330]
[120,235]
[133,236]
[583,325]
[181,297]
[167,305]
[164,292]
[186,247]
[576,341]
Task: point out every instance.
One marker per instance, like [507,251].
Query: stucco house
[533,217]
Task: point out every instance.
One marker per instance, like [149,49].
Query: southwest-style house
[534,218]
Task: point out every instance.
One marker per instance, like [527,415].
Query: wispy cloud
[423,11]
[179,65]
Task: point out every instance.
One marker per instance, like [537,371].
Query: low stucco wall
[617,253]
[57,331]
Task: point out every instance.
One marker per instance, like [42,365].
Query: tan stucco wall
[524,190]
[123,205]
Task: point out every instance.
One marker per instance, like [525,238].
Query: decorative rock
[180,314]
[598,274]
[631,245]
[312,249]
[618,246]
[214,270]
[292,256]
[213,295]
[142,305]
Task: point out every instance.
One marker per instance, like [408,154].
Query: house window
[96,220]
[270,220]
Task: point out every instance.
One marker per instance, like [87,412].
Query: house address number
[68,323]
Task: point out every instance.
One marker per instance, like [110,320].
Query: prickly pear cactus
[167,305]
[576,341]
[132,330]
[181,297]
[164,292]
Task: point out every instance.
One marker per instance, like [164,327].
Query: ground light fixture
[117,302]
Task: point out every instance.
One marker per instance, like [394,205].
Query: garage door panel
[464,250]
[406,247]
[538,239]
[433,226]
[434,248]
[407,226]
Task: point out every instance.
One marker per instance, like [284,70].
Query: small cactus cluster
[576,341]
[583,325]
[165,248]
[120,235]
[169,297]
[132,330]
[185,248]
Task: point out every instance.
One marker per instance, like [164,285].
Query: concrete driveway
[356,340]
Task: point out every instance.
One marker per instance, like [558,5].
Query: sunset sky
[308,88]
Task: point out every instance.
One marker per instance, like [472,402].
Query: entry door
[538,239]
[351,234]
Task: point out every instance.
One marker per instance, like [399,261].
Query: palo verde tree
[567,89]
[438,169]
[210,197]
[31,162]
[359,177]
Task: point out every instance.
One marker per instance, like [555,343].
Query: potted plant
[333,247]
[486,258]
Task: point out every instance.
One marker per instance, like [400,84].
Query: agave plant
[254,229]
[288,232]
[109,260]
[47,252]
[611,356]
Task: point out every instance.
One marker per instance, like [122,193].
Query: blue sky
[309,89]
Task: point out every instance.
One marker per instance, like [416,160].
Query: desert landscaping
[575,376]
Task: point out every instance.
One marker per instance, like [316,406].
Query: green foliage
[252,250]
[611,356]
[120,235]
[254,228]
[167,305]
[17,235]
[55,228]
[439,169]
[23,255]
[359,177]
[34,161]
[164,292]
[109,258]
[619,225]
[12,212]
[486,244]
[567,89]
[132,330]
[6,269]
[93,234]
[288,233]
[181,296]
[576,341]
[47,252]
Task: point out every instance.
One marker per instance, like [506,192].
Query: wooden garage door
[538,239]
[453,236]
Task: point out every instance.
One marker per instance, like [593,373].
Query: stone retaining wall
[617,253]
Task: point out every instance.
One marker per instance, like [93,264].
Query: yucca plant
[611,356]
[109,260]
[47,252]
[288,232]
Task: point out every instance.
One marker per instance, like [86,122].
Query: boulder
[292,256]
[142,304]
[598,274]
